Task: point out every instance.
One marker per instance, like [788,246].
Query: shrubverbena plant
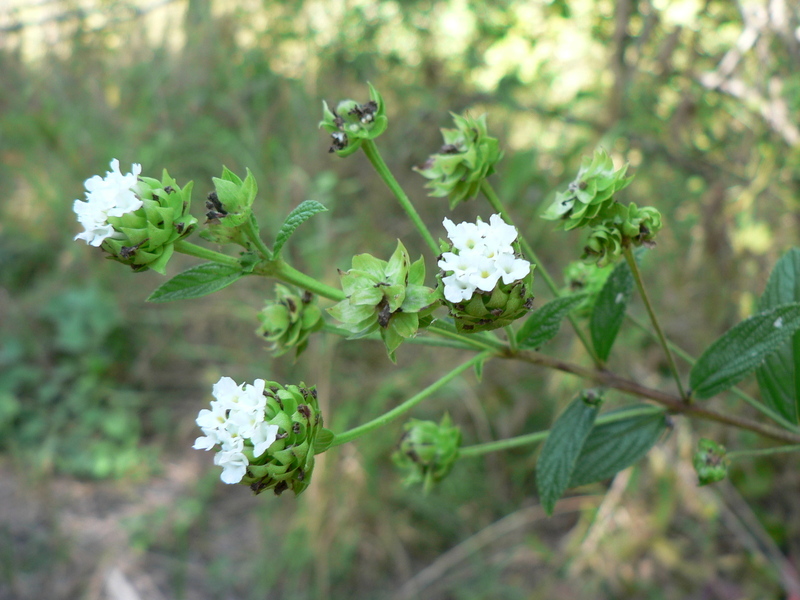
[266,435]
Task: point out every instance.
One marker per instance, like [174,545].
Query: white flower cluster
[109,196]
[237,415]
[482,255]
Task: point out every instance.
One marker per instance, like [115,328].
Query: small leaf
[297,217]
[614,446]
[778,377]
[197,281]
[323,441]
[543,325]
[609,309]
[562,448]
[743,348]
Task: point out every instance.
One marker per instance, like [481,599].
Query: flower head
[265,434]
[137,220]
[482,277]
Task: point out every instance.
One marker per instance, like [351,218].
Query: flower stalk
[374,156]
[637,276]
[403,408]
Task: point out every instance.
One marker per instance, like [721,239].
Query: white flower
[482,255]
[109,196]
[264,435]
[511,268]
[457,289]
[485,275]
[235,422]
[234,465]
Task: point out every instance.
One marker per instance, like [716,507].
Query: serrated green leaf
[778,377]
[197,281]
[544,323]
[609,309]
[561,450]
[297,217]
[614,446]
[743,348]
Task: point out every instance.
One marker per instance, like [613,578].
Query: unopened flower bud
[351,123]
[137,220]
[466,159]
[428,451]
[710,462]
[385,297]
[229,208]
[590,196]
[289,320]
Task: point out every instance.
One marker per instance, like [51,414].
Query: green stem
[185,247]
[673,403]
[654,320]
[497,204]
[476,340]
[511,337]
[762,452]
[403,408]
[759,406]
[540,436]
[251,230]
[371,150]
[421,340]
[282,271]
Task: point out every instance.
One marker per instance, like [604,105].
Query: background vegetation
[98,391]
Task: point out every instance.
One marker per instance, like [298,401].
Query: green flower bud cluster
[229,208]
[710,462]
[588,279]
[589,202]
[387,297]
[288,463]
[428,451]
[467,157]
[590,197]
[289,320]
[351,122]
[148,234]
[625,226]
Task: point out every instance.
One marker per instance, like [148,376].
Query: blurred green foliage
[93,383]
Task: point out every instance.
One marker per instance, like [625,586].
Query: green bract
[387,297]
[152,230]
[351,122]
[591,196]
[428,451]
[710,462]
[229,208]
[467,158]
[289,462]
[491,310]
[289,320]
